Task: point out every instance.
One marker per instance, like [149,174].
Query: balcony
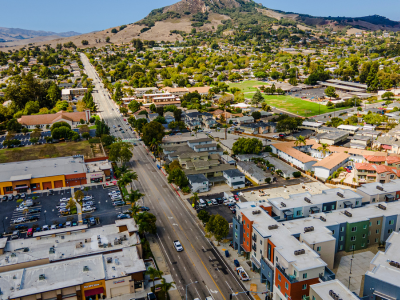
[327,275]
[291,278]
[254,238]
[254,247]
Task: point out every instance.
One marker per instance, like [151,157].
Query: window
[354,229]
[260,251]
[363,245]
[298,213]
[370,224]
[324,208]
[341,247]
[247,234]
[341,239]
[368,242]
[248,226]
[341,229]
[357,202]
[376,240]
[285,295]
[313,297]
[294,273]
[333,206]
[377,231]
[279,277]
[333,231]
[365,227]
[260,242]
[378,222]
[304,275]
[304,286]
[364,236]
[279,287]
[391,222]
[373,199]
[318,249]
[390,230]
[286,285]
[353,238]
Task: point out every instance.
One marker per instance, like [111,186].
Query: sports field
[247,86]
[295,105]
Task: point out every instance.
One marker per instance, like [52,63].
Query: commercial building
[50,173]
[74,263]
[43,121]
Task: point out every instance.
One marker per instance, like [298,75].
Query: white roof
[312,124]
[348,127]
[322,290]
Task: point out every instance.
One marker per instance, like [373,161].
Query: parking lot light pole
[45,220]
[4,228]
[188,285]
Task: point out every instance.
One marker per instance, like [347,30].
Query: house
[387,143]
[288,152]
[228,160]
[234,178]
[367,172]
[332,138]
[310,125]
[360,142]
[43,121]
[328,165]
[327,290]
[251,170]
[245,120]
[152,117]
[70,94]
[286,171]
[198,183]
[349,128]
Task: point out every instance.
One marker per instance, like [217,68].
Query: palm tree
[166,286]
[134,211]
[323,148]
[154,273]
[195,199]
[300,140]
[129,177]
[134,196]
[153,144]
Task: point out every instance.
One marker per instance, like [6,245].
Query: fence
[354,186]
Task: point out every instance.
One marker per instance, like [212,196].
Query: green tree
[120,152]
[152,130]
[387,95]
[195,199]
[257,98]
[147,223]
[256,115]
[123,111]
[203,216]
[13,125]
[107,39]
[335,122]
[165,286]
[247,146]
[134,106]
[218,227]
[324,148]
[265,106]
[178,177]
[330,91]
[300,140]
[153,274]
[78,195]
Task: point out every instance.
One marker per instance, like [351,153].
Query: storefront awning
[288,213]
[95,291]
[348,203]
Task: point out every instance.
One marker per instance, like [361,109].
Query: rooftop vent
[378,187]
[42,277]
[349,214]
[51,250]
[256,212]
[322,219]
[308,229]
[109,260]
[283,204]
[85,269]
[382,206]
[394,264]
[299,252]
[275,226]
[340,195]
[307,200]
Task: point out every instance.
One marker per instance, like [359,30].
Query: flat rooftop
[322,290]
[62,245]
[41,168]
[181,138]
[371,188]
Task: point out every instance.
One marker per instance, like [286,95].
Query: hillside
[13,34]
[166,23]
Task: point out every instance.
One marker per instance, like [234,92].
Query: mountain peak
[202,6]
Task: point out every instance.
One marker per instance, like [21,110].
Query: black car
[33,218]
[85,221]
[220,200]
[17,196]
[35,210]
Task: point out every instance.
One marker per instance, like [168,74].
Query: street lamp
[45,220]
[4,228]
[188,285]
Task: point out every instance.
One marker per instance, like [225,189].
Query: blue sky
[90,15]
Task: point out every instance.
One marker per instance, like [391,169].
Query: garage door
[123,290]
[58,184]
[47,185]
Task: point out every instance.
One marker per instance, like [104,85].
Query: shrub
[94,140]
[268,180]
[186,189]
[297,174]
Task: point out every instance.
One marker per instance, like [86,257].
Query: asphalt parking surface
[24,138]
[49,214]
[311,93]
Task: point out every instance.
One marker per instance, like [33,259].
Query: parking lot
[24,138]
[310,93]
[49,214]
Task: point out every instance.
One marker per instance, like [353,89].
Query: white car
[240,194]
[53,227]
[276,136]
[19,220]
[64,200]
[114,193]
[87,198]
[21,208]
[116,198]
[178,246]
[88,203]
[87,209]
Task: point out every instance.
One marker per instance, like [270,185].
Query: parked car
[33,218]
[123,216]
[35,210]
[214,201]
[21,227]
[144,208]
[151,296]
[23,195]
[45,227]
[119,203]
[53,227]
[178,246]
[87,203]
[29,232]
[19,220]
[92,221]
[88,209]
[220,200]
[15,235]
[209,202]
[87,198]
[68,224]
[64,199]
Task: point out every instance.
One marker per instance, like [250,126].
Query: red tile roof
[29,120]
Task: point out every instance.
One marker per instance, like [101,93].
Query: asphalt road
[199,261]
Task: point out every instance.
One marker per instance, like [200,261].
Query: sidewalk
[254,276]
[78,206]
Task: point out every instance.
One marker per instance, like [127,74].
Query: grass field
[247,86]
[33,152]
[295,105]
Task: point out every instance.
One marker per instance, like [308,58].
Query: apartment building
[286,265]
[380,192]
[382,279]
[330,290]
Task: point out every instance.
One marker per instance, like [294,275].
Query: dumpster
[226,253]
[236,263]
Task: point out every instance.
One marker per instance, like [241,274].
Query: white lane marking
[164,249]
